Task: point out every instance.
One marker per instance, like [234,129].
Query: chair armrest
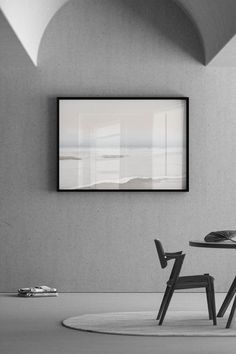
[172,255]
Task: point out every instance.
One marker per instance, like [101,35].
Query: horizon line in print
[123,144]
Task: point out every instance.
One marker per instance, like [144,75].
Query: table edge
[211,244]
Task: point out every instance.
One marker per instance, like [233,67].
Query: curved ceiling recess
[29,19]
[214,19]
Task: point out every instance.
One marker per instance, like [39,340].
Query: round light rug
[177,323]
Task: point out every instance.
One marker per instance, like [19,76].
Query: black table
[232,289]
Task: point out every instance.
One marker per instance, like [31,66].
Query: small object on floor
[38,291]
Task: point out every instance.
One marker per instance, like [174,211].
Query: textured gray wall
[104,241]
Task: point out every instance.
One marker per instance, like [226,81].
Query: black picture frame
[186,142]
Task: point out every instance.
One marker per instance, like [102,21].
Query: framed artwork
[123,144]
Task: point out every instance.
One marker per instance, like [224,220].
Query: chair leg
[231,315]
[162,303]
[208,296]
[213,303]
[166,304]
[227,299]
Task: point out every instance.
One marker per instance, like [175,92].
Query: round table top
[221,244]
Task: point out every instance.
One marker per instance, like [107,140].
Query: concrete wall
[103,241]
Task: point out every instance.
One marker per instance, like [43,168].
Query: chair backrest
[161,253]
[164,257]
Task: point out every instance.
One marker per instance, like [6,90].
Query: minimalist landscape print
[120,144]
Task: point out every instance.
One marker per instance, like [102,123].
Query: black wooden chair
[176,282]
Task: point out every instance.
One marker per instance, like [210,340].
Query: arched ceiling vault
[29,20]
[214,20]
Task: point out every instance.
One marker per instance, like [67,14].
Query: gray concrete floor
[33,325]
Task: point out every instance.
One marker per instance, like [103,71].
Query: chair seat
[201,277]
[191,281]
